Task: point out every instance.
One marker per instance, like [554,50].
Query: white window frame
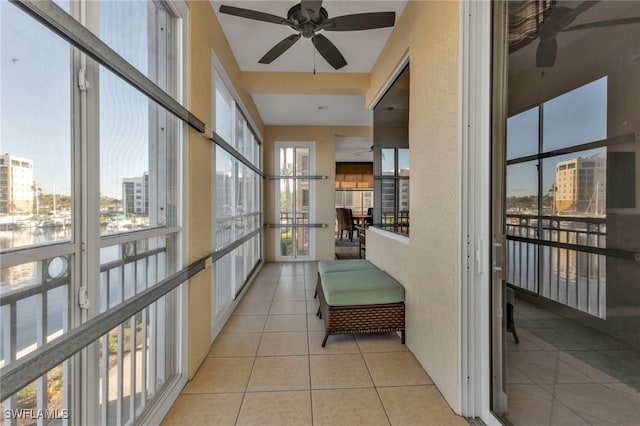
[312,200]
[219,75]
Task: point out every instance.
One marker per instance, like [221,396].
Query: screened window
[106,154]
[236,206]
[137,137]
[391,157]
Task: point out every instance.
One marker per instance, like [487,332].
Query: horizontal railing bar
[219,254]
[313,177]
[629,137]
[20,373]
[32,290]
[589,219]
[217,139]
[127,237]
[555,228]
[28,254]
[391,177]
[121,262]
[63,24]
[621,254]
[297,225]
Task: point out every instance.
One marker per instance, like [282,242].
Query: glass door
[294,198]
[565,293]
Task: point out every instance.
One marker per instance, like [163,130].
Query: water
[29,312]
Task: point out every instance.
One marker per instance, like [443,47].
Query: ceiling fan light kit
[308,18]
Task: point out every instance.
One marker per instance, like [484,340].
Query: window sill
[388,234]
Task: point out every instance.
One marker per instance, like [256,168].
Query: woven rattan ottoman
[363,301]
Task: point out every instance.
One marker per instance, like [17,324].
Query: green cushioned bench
[344,265]
[359,301]
[325,266]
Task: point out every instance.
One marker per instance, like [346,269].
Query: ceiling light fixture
[323,107]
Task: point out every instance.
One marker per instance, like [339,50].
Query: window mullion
[89,229]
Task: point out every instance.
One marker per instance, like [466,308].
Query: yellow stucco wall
[428,266]
[205,36]
[325,145]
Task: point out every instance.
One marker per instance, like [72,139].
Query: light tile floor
[267,368]
[564,373]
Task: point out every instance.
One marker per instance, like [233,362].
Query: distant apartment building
[135,195]
[581,185]
[16,179]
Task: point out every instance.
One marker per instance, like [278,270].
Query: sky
[35,98]
[574,118]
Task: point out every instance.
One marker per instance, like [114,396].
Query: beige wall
[306,83]
[428,265]
[325,164]
[205,35]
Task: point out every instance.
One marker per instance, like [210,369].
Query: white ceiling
[302,110]
[354,149]
[250,40]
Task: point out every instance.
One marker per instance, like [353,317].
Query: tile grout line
[246,388]
[306,318]
[375,387]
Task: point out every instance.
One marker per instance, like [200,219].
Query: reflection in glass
[572,286]
[522,134]
[388,161]
[575,184]
[576,117]
[403,162]
[522,188]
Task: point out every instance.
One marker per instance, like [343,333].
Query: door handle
[498,260]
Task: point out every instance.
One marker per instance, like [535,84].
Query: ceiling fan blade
[279,49]
[255,15]
[360,21]
[609,23]
[329,51]
[583,7]
[546,53]
[312,7]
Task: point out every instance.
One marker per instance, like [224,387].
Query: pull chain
[314,60]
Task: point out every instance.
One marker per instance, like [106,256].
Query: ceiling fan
[362,151]
[308,18]
[557,20]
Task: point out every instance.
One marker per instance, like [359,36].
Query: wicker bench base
[356,319]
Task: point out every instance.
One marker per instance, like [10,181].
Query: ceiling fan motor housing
[307,25]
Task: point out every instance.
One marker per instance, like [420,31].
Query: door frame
[478,106]
[312,199]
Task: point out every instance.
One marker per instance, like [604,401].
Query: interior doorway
[353,194]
